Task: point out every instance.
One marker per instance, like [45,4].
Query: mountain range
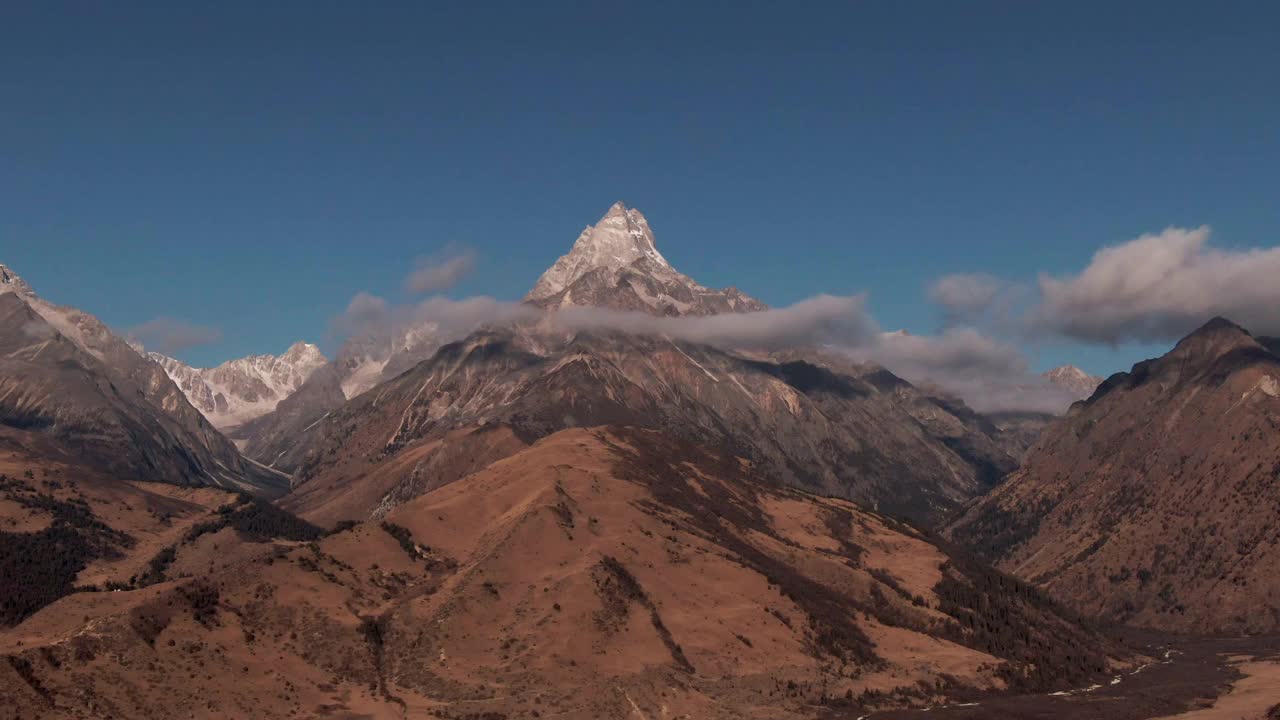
[544,517]
[806,417]
[70,386]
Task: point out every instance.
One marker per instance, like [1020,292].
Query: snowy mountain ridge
[239,390]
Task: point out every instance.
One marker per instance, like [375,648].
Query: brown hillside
[1156,502]
[595,574]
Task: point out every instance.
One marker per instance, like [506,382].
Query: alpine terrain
[814,421]
[389,411]
[243,389]
[72,389]
[1154,502]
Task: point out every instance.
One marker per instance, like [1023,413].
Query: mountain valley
[595,573]
[546,518]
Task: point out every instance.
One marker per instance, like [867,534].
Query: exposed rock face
[240,390]
[1155,502]
[616,264]
[870,437]
[70,382]
[281,438]
[600,573]
[1078,383]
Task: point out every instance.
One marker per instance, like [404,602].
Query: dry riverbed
[1219,679]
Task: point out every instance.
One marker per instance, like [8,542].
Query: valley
[548,515]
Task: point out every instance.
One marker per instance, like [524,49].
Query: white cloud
[1160,287]
[824,319]
[988,374]
[1155,288]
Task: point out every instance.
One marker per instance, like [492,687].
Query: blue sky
[251,168]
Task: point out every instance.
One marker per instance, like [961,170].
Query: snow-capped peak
[619,239]
[615,263]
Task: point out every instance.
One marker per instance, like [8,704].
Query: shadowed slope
[98,402]
[1155,502]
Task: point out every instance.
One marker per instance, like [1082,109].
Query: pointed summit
[303,352]
[1078,383]
[1211,340]
[10,282]
[616,264]
[620,238]
[1216,325]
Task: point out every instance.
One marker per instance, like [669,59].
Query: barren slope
[1156,502]
[595,574]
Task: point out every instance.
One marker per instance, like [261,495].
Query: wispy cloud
[170,336]
[369,317]
[988,374]
[964,297]
[39,330]
[824,319]
[441,271]
[821,320]
[364,314]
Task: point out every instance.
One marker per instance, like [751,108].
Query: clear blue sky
[251,166]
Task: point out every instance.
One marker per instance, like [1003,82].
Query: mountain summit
[10,282]
[1078,383]
[615,264]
